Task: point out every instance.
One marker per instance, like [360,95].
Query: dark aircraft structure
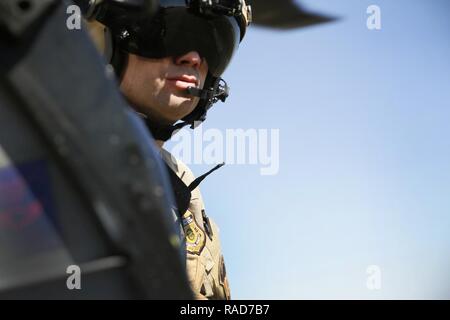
[81,184]
[284,14]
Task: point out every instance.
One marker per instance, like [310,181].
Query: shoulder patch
[195,236]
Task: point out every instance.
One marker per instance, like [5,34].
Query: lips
[184,81]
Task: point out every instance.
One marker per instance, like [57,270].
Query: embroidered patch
[195,236]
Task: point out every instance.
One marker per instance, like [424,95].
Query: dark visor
[175,31]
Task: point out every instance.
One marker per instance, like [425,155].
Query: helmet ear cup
[116,57]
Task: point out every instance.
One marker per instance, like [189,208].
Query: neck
[159,144]
[160,129]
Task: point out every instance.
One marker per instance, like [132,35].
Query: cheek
[138,88]
[146,84]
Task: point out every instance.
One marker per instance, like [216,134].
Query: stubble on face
[147,87]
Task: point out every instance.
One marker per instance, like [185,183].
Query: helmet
[214,28]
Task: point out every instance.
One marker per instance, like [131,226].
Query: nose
[191,59]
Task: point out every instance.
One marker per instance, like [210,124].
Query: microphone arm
[219,91]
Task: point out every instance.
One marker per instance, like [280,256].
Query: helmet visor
[177,30]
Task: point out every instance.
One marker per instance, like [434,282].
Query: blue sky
[364,120]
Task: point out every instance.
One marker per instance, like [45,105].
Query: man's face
[157,87]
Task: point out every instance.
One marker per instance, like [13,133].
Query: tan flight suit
[204,260]
[205,265]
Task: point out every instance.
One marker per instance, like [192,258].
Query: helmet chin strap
[163,132]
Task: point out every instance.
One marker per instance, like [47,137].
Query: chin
[182,105]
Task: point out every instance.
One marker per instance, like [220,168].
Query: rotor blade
[284,14]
